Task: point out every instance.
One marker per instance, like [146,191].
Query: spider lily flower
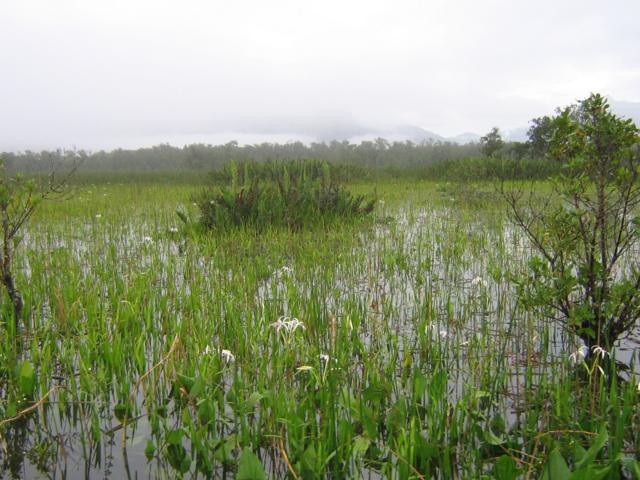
[579,355]
[283,272]
[226,355]
[599,351]
[288,324]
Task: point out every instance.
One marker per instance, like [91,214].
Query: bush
[587,231]
[291,194]
[492,168]
[272,170]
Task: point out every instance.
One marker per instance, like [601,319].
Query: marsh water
[419,276]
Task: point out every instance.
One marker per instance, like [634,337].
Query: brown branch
[33,407]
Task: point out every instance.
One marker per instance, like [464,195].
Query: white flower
[443,334]
[147,239]
[98,215]
[599,351]
[324,357]
[284,271]
[579,355]
[173,229]
[226,355]
[478,281]
[288,324]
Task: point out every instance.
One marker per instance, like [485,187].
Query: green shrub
[291,194]
[273,170]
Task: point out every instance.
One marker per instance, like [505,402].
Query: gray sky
[101,74]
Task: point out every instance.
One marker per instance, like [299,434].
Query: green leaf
[555,468]
[250,467]
[590,473]
[632,465]
[491,438]
[309,460]
[578,452]
[505,468]
[360,445]
[254,399]
[592,453]
[175,437]
[26,378]
[150,449]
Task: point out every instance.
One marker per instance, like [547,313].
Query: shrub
[291,194]
[585,233]
[274,169]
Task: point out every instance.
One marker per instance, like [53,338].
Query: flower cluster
[288,325]
[581,353]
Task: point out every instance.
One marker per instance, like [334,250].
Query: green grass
[415,360]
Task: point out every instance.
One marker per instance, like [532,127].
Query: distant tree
[586,231]
[540,134]
[517,150]
[491,143]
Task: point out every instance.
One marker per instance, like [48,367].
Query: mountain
[416,134]
[516,135]
[466,137]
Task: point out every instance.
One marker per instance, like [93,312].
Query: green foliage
[540,134]
[290,194]
[479,169]
[585,232]
[492,142]
[246,171]
[250,467]
[585,464]
[26,378]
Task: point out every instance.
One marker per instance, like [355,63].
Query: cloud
[97,72]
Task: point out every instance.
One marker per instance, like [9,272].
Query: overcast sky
[102,74]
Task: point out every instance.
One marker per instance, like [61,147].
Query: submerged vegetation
[398,347]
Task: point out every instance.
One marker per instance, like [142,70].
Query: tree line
[376,153]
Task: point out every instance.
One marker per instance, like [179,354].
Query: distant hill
[466,137]
[417,134]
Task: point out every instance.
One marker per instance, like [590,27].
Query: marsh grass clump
[291,194]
